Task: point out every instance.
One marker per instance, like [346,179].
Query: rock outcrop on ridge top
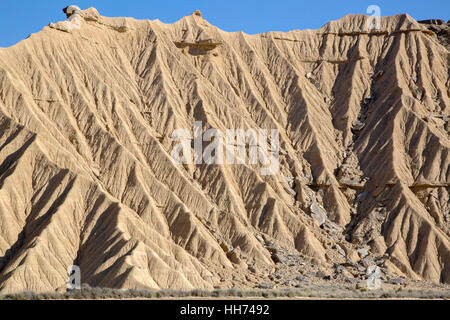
[87,178]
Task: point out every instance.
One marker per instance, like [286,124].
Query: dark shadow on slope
[33,227]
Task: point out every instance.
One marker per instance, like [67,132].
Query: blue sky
[18,19]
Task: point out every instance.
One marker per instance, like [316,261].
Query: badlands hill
[87,178]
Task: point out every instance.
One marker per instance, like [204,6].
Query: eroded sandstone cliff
[86,176]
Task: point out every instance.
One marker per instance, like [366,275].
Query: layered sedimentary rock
[87,177]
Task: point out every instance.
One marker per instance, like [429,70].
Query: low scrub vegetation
[332,293]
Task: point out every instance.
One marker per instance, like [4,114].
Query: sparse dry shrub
[339,292]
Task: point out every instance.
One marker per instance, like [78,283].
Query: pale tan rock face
[87,179]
